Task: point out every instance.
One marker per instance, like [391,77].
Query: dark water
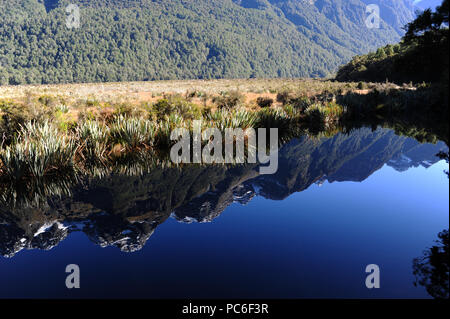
[334,206]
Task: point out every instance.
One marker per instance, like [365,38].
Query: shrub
[315,115]
[39,150]
[162,108]
[47,100]
[175,104]
[93,137]
[301,103]
[192,94]
[283,97]
[229,100]
[12,117]
[223,119]
[264,101]
[132,133]
[123,109]
[92,102]
[273,118]
[362,86]
[291,111]
[324,113]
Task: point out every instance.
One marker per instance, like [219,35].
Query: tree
[422,56]
[432,269]
[381,54]
[429,26]
[390,50]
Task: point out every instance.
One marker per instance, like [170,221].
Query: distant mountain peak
[138,40]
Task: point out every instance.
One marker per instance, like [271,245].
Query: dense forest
[129,40]
[421,56]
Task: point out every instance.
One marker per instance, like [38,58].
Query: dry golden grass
[137,92]
[71,103]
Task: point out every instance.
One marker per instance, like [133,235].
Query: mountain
[396,13]
[124,211]
[127,40]
[422,56]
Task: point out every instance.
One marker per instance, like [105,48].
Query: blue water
[312,244]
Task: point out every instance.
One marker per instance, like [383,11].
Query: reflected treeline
[17,188]
[422,128]
[432,269]
[122,206]
[421,113]
[30,191]
[445,156]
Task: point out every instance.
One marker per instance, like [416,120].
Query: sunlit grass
[49,129]
[39,149]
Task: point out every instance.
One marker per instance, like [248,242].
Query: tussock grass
[133,133]
[39,150]
[223,119]
[46,130]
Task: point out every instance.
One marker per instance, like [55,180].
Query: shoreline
[49,132]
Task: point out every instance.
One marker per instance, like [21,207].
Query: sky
[427,2]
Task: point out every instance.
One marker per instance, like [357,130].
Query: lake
[335,205]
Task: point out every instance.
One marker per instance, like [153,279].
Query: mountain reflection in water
[124,211]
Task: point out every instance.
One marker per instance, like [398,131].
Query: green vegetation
[228,100]
[422,56]
[139,40]
[50,134]
[46,135]
[264,101]
[142,174]
[432,269]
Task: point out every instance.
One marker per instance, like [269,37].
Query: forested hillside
[129,40]
[421,56]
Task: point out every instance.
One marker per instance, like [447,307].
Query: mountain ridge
[132,40]
[124,211]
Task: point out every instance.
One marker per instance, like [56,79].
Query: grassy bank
[54,130]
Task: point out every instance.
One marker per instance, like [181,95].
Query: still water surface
[334,206]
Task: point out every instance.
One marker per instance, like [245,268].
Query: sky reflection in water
[335,206]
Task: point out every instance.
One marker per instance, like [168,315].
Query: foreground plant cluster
[138,40]
[49,135]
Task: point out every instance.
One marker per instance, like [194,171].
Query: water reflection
[123,210]
[445,156]
[432,269]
